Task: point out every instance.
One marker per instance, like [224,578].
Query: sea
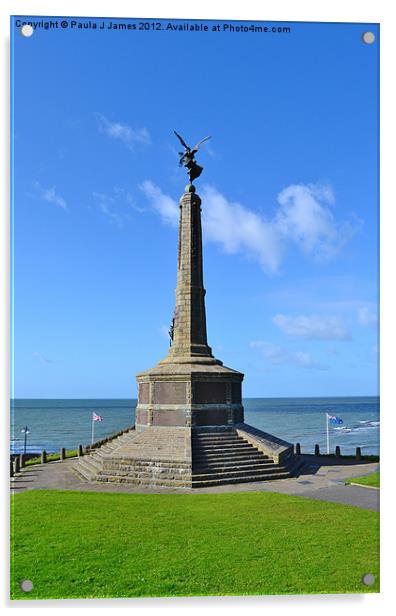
[67,423]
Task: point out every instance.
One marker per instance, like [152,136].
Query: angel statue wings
[187,158]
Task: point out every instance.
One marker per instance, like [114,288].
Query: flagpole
[93,427]
[327,433]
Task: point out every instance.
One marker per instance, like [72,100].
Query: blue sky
[290,205]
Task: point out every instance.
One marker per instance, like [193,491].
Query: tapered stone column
[189,335]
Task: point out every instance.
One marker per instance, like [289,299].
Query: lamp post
[25,431]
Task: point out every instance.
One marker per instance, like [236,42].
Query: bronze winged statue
[187,158]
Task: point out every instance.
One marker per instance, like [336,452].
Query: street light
[25,431]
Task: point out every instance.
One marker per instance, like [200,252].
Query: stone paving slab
[322,479]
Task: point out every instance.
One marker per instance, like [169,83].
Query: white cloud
[279,355]
[163,204]
[117,205]
[104,204]
[366,317]
[312,327]
[128,135]
[50,195]
[126,197]
[303,218]
[231,225]
[239,230]
[103,197]
[104,209]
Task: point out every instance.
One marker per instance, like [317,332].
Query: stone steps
[145,481]
[156,457]
[118,461]
[230,455]
[221,458]
[92,463]
[98,454]
[216,439]
[129,463]
[222,444]
[211,481]
[196,480]
[115,468]
[229,473]
[85,468]
[216,430]
[134,473]
[111,445]
[124,439]
[259,463]
[237,448]
[218,443]
[170,477]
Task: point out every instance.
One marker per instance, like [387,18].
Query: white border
[272,10]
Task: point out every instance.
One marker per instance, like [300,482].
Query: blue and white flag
[334,420]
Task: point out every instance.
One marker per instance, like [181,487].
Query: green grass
[51,457]
[82,544]
[368,480]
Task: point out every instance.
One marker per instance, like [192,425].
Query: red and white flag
[96,417]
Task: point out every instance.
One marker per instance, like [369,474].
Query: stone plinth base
[188,395]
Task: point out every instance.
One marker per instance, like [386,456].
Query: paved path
[322,478]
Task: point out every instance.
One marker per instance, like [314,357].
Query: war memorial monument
[189,428]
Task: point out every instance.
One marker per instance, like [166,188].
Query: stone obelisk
[189,328]
[189,387]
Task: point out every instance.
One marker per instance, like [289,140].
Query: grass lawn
[84,544]
[368,480]
[51,457]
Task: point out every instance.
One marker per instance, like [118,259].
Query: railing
[337,453]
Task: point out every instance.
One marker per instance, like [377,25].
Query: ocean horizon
[66,422]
